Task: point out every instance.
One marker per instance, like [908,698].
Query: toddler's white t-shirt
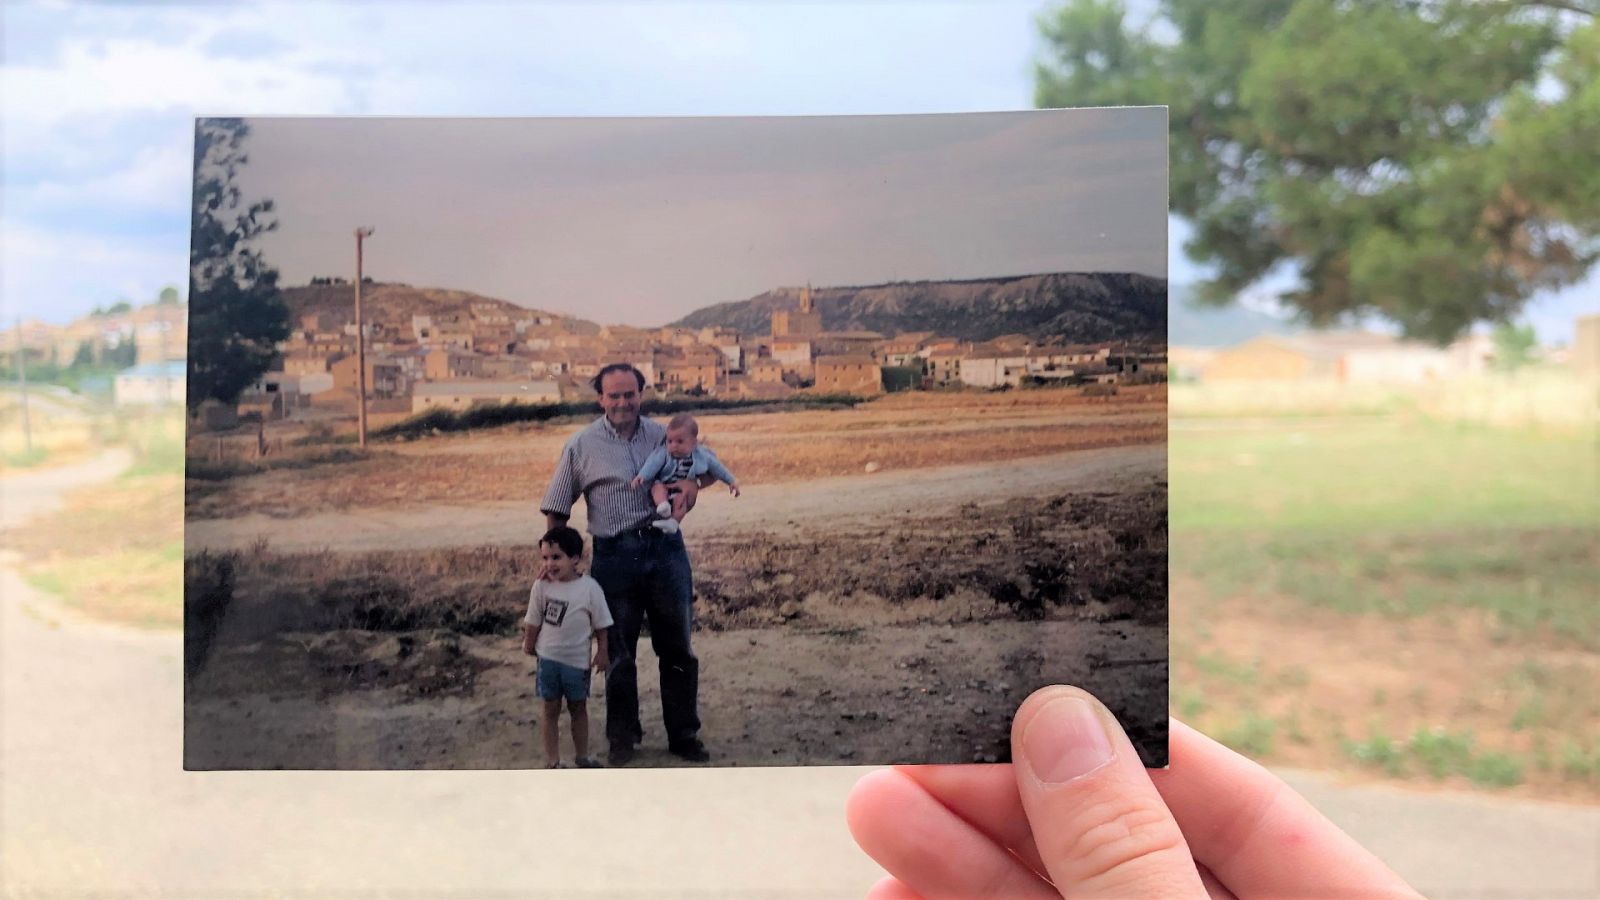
[568,613]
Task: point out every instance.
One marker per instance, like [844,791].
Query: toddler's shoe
[664,508]
[667,526]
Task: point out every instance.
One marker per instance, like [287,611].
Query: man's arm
[563,490]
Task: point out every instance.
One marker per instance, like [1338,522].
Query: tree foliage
[236,315]
[1434,163]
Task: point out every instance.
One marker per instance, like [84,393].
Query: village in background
[434,349]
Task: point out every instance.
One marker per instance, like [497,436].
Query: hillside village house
[793,354]
[150,384]
[766,371]
[846,343]
[902,349]
[858,375]
[385,376]
[688,372]
[463,394]
[944,365]
[442,364]
[989,365]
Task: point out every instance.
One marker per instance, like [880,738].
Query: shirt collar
[611,431]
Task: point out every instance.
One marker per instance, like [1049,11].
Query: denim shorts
[557,680]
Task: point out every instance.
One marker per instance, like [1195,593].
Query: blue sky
[99,99]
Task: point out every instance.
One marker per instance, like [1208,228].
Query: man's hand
[733,489]
[637,481]
[684,500]
[544,572]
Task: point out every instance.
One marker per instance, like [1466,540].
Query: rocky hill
[1059,307]
[395,304]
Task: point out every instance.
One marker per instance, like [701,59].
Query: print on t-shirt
[554,611]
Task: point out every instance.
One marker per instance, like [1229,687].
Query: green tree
[84,358]
[168,296]
[1513,346]
[1434,163]
[236,315]
[121,306]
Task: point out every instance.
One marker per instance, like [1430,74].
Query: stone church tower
[805,322]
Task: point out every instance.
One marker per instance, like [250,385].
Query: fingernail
[1065,740]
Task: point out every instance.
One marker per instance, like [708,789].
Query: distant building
[793,354]
[443,364]
[807,320]
[1346,356]
[766,371]
[465,394]
[859,375]
[992,366]
[846,343]
[151,384]
[943,366]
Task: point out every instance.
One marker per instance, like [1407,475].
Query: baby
[679,459]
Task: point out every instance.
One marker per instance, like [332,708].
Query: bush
[498,414]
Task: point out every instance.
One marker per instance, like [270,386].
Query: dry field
[855,619]
[898,432]
[911,641]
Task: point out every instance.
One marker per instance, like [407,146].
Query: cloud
[59,275]
[245,44]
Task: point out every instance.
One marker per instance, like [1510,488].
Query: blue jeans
[645,575]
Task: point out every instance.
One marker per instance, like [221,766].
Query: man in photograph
[644,571]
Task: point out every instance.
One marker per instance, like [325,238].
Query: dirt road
[829,500]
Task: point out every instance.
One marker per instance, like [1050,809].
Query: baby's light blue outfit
[662,467]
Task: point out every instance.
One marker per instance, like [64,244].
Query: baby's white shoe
[668,526]
[664,508]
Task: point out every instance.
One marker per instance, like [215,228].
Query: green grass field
[1392,516]
[1411,598]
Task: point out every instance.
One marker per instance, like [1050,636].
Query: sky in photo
[99,101]
[643,221]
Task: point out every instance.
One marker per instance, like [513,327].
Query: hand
[637,481]
[601,663]
[544,572]
[684,500]
[733,489]
[1079,816]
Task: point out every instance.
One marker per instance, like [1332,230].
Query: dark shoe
[691,750]
[620,754]
[588,762]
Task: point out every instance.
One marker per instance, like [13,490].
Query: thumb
[1100,827]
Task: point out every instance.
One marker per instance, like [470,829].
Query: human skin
[1078,815]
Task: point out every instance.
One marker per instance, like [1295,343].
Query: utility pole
[361,348]
[22,379]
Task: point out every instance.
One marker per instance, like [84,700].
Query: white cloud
[59,275]
[158,178]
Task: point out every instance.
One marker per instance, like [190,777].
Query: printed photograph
[644,442]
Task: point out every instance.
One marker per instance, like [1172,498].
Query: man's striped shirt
[598,465]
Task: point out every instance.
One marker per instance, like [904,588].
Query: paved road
[95,803]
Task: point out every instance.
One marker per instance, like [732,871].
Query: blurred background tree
[1432,163]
